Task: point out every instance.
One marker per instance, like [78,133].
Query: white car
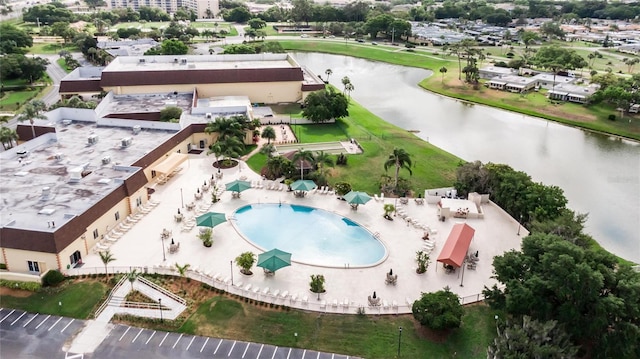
[304,35]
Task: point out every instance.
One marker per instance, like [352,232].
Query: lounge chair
[323,304]
[382,197]
[376,198]
[334,303]
[256,289]
[305,300]
[394,304]
[385,304]
[238,284]
[294,298]
[265,291]
[284,294]
[345,303]
[248,287]
[276,293]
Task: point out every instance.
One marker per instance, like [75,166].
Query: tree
[238,14]
[438,311]
[8,137]
[527,338]
[348,88]
[557,58]
[302,11]
[328,72]
[321,106]
[239,49]
[552,29]
[322,158]
[300,156]
[459,49]
[443,70]
[245,261]
[132,276]
[106,257]
[14,40]
[174,47]
[528,38]
[32,111]
[279,166]
[398,159]
[170,113]
[206,236]
[630,63]
[585,289]
[345,81]
[256,23]
[182,270]
[269,133]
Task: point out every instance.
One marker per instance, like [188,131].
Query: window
[117,216]
[95,234]
[75,258]
[33,266]
[138,202]
[153,174]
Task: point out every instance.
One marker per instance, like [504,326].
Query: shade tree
[324,105]
[439,310]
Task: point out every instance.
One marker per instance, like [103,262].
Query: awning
[457,245]
[170,163]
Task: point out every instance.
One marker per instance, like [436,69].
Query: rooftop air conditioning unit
[208,115]
[66,122]
[126,142]
[183,60]
[136,129]
[22,154]
[142,61]
[106,160]
[92,140]
[58,156]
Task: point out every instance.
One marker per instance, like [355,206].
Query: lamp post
[164,257]
[181,198]
[399,340]
[231,265]
[519,224]
[463,265]
[160,307]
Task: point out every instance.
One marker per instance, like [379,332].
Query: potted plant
[342,188]
[214,194]
[206,237]
[317,284]
[245,261]
[288,182]
[388,208]
[422,258]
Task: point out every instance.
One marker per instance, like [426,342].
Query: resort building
[516,84]
[204,8]
[82,172]
[264,78]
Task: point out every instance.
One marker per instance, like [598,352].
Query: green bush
[30,286]
[52,278]
[3,265]
[611,117]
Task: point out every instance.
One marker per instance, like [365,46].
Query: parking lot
[29,335]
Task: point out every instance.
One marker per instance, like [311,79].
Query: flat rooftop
[199,62]
[62,175]
[148,103]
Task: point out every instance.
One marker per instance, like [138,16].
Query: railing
[324,304]
[106,302]
[135,305]
[162,290]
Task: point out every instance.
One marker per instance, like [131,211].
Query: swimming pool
[312,235]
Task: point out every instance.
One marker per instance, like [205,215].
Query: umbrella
[274,260]
[238,186]
[211,219]
[355,197]
[303,185]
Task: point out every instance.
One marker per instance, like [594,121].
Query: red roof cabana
[457,245]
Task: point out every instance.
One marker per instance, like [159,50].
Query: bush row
[30,286]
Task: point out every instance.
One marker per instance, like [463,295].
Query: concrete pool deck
[346,289]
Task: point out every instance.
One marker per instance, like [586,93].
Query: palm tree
[33,110]
[182,270]
[8,137]
[300,156]
[279,165]
[443,70]
[268,149]
[132,276]
[269,133]
[106,257]
[348,88]
[245,261]
[398,159]
[328,72]
[322,158]
[345,81]
[231,147]
[225,128]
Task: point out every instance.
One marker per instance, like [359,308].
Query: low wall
[20,277]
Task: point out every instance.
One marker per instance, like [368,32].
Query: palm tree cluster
[279,166]
[32,111]
[398,159]
[231,133]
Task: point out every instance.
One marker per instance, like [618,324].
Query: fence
[106,302]
[305,300]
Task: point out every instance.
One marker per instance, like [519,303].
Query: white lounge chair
[294,298]
[334,303]
[305,300]
[265,291]
[345,303]
[275,293]
[394,304]
[375,197]
[385,304]
[323,304]
[382,197]
[284,294]
[248,287]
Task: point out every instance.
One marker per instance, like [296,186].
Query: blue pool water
[312,236]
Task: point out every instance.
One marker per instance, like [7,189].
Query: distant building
[489,72]
[517,84]
[573,93]
[171,6]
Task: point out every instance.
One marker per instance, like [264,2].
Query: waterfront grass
[365,336]
[75,299]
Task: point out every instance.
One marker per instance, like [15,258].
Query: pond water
[599,174]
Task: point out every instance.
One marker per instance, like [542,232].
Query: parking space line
[125,333]
[191,342]
[137,335]
[29,321]
[318,357]
[232,346]
[203,345]
[221,340]
[333,356]
[165,337]
[5,317]
[54,324]
[289,353]
[42,322]
[66,326]
[152,334]
[176,343]
[259,351]
[274,353]
[245,349]
[304,353]
[14,322]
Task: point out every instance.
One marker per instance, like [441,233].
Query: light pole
[399,340]
[181,198]
[519,224]
[463,265]
[160,307]
[231,265]
[164,256]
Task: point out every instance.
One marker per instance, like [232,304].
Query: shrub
[317,283]
[611,117]
[30,286]
[52,278]
[3,265]
[510,55]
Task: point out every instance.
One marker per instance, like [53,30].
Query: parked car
[374,43]
[304,35]
[359,40]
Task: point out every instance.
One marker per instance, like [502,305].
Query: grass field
[13,100]
[51,48]
[63,63]
[76,300]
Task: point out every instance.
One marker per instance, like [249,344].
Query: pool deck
[346,289]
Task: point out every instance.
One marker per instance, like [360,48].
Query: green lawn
[76,300]
[51,48]
[369,336]
[63,63]
[13,100]
[432,167]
